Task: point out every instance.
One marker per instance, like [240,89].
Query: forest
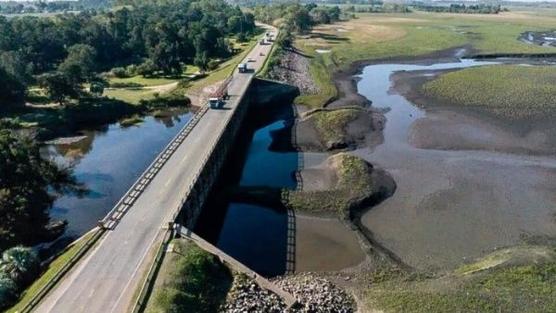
[63,52]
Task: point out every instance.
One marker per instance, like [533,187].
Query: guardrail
[142,298]
[126,202]
[39,296]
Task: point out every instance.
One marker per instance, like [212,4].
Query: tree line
[60,53]
[295,18]
[461,8]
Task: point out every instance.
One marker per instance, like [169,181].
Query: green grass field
[508,91]
[383,36]
[510,286]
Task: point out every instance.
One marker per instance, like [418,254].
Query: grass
[130,121]
[53,268]
[384,36]
[509,288]
[508,91]
[154,81]
[331,124]
[194,281]
[225,69]
[354,184]
[131,95]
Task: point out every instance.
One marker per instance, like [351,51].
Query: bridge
[107,277]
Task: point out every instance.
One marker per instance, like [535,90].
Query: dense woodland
[61,53]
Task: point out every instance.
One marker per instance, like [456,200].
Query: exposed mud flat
[468,129]
[324,244]
[466,185]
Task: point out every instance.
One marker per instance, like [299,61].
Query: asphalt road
[106,280]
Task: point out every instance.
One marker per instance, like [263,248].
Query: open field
[393,36]
[188,83]
[512,92]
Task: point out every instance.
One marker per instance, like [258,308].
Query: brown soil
[363,131]
[292,69]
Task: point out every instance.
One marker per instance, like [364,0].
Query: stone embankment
[313,294]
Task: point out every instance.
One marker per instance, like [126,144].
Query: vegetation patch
[48,273]
[357,182]
[130,121]
[513,288]
[197,282]
[331,124]
[508,91]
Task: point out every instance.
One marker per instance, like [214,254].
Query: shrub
[8,291]
[120,72]
[21,264]
[200,284]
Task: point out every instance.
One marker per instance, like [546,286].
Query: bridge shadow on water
[254,229]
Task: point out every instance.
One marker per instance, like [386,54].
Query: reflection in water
[451,205]
[253,234]
[108,161]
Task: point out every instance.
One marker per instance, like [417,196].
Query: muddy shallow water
[452,204]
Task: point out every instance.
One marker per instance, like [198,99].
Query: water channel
[108,161]
[462,190]
[428,222]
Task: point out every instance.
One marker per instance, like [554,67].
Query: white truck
[242,68]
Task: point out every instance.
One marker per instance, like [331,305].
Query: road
[106,280]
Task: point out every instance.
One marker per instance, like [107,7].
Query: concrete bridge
[174,187]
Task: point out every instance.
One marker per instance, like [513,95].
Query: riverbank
[527,130]
[450,204]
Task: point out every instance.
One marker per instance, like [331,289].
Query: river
[452,205]
[107,161]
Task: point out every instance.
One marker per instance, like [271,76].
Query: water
[255,235]
[108,162]
[458,203]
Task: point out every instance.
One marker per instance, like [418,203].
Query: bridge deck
[107,278]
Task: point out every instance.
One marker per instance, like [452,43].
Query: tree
[79,64]
[13,64]
[97,86]
[29,185]
[201,61]
[147,68]
[12,91]
[21,264]
[8,291]
[59,87]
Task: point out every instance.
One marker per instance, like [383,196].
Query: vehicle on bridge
[218,98]
[242,67]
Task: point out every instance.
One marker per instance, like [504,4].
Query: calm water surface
[255,234]
[107,162]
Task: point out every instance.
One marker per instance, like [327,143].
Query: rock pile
[246,296]
[314,295]
[317,295]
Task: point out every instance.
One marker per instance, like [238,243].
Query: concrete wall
[262,94]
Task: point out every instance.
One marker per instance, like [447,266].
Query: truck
[242,67]
[218,98]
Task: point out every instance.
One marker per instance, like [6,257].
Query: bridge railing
[118,211]
[147,285]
